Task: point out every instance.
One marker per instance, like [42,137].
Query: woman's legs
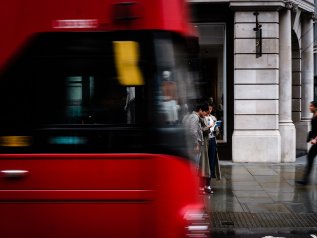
[205,185]
[310,162]
[212,153]
[207,182]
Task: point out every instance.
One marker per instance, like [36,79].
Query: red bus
[92,94]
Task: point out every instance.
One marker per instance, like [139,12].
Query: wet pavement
[268,236]
[255,197]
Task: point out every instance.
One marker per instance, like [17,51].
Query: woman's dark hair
[314,103]
[202,106]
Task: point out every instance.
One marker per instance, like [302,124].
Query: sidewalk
[255,197]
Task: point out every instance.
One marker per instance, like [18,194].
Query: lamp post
[258,39]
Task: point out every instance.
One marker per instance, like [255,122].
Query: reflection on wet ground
[263,188]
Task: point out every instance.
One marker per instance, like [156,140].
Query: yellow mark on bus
[15,141]
[127,58]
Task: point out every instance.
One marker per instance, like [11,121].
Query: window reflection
[74,97]
[130,105]
[170,105]
[109,103]
[175,88]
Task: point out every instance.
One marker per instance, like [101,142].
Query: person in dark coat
[204,164]
[212,145]
[312,139]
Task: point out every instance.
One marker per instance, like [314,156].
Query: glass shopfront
[213,85]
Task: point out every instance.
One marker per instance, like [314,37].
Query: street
[256,200]
[269,236]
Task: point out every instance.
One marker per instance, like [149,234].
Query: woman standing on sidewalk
[212,145]
[312,138]
[204,164]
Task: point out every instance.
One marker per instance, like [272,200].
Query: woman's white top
[211,121]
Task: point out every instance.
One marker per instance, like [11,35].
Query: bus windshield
[92,92]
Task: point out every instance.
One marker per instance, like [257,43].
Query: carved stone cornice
[295,7]
[252,5]
[256,5]
[289,5]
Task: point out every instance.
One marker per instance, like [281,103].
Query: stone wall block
[256,107]
[263,17]
[256,122]
[256,92]
[269,46]
[245,30]
[262,146]
[249,76]
[250,61]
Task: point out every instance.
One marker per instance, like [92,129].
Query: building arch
[296,83]
[296,79]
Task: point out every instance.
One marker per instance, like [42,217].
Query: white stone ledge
[251,107]
[246,30]
[256,146]
[256,91]
[256,122]
[263,17]
[256,76]
[248,46]
[266,61]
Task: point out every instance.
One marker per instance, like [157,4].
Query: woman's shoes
[208,190]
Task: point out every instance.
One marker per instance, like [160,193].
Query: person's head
[202,109]
[313,106]
[210,109]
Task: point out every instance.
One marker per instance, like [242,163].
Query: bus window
[64,90]
[66,93]
[74,85]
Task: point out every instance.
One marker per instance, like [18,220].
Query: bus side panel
[78,173]
[96,195]
[80,219]
[178,190]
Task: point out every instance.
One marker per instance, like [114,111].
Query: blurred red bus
[92,94]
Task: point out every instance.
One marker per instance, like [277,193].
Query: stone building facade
[267,73]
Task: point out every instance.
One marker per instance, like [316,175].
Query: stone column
[286,126]
[256,136]
[307,86]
